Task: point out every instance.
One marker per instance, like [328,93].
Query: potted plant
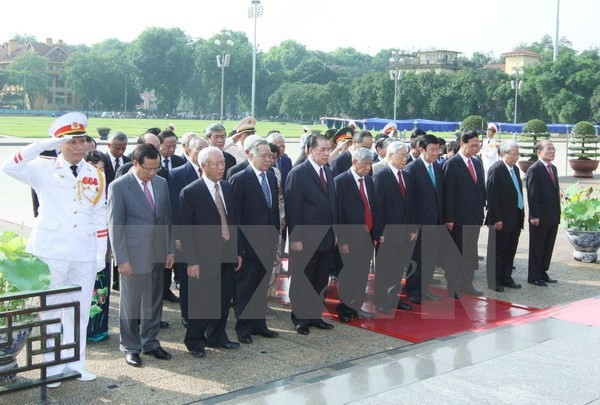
[584,150]
[581,214]
[103,132]
[473,123]
[19,272]
[533,131]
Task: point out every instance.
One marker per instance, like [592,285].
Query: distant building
[520,59]
[148,101]
[438,61]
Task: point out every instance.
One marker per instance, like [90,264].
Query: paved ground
[348,363]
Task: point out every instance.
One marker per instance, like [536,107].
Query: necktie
[149,196]
[265,188]
[551,173]
[74,170]
[472,170]
[519,194]
[166,163]
[368,216]
[401,183]
[199,172]
[322,176]
[431,175]
[117,165]
[221,209]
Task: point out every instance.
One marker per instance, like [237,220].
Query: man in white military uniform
[70,232]
[489,149]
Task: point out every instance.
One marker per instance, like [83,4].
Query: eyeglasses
[151,170]
[550,148]
[322,149]
[216,164]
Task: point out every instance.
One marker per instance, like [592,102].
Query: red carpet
[585,311]
[432,319]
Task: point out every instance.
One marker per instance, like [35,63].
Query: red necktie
[368,216]
[199,172]
[472,170]
[551,173]
[322,176]
[402,186]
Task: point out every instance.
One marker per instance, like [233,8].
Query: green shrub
[584,142]
[533,131]
[473,123]
[535,126]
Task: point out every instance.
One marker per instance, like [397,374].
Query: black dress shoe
[539,283]
[159,353]
[247,339]
[164,325]
[498,287]
[415,299]
[133,359]
[269,334]
[344,318]
[321,324]
[432,297]
[453,294]
[228,345]
[384,309]
[550,280]
[199,353]
[404,306]
[365,314]
[115,287]
[302,329]
[169,296]
[512,284]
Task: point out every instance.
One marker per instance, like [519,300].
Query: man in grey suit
[140,233]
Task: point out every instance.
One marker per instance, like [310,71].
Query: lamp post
[516,86]
[223,61]
[397,63]
[254,11]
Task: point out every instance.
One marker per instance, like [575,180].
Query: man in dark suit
[283,163]
[179,178]
[310,213]
[505,216]
[257,201]
[168,145]
[543,198]
[464,201]
[414,152]
[358,231]
[114,157]
[209,243]
[139,220]
[215,135]
[185,144]
[343,161]
[427,184]
[152,139]
[393,188]
[249,142]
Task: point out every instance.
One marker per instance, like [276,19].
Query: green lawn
[37,127]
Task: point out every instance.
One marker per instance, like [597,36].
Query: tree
[312,71]
[29,71]
[163,59]
[24,38]
[288,54]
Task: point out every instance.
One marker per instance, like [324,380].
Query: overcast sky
[459,25]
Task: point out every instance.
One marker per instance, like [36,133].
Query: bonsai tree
[533,131]
[585,142]
[473,123]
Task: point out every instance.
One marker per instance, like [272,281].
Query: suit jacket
[202,243]
[427,198]
[543,195]
[464,200]
[229,161]
[350,206]
[164,173]
[236,169]
[341,163]
[176,161]
[502,198]
[137,234]
[109,170]
[307,202]
[179,178]
[284,164]
[392,207]
[252,209]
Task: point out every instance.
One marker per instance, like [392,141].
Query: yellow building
[60,97]
[519,59]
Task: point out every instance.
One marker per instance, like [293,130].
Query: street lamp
[397,64]
[516,85]
[223,61]
[254,11]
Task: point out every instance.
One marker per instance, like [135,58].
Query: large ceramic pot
[9,353]
[583,168]
[524,165]
[586,244]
